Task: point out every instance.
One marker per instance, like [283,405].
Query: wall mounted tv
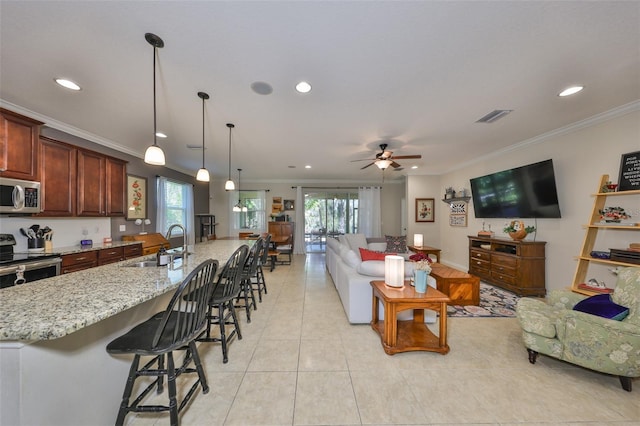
[524,192]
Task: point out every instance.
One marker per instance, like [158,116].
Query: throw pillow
[602,306]
[372,255]
[396,244]
[356,241]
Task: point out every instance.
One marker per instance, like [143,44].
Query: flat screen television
[523,192]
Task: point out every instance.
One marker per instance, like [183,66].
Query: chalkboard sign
[629,172]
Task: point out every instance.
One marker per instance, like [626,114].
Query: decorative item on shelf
[594,285]
[421,268]
[394,271]
[486,233]
[517,230]
[609,187]
[449,193]
[613,214]
[143,223]
[600,254]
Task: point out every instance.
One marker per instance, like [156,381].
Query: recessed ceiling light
[303,87]
[67,83]
[307,166]
[570,91]
[161,135]
[414,167]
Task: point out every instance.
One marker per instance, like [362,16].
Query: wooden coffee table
[413,335]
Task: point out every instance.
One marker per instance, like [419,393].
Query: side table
[413,335]
[426,250]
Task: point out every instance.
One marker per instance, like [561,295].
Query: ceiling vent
[494,116]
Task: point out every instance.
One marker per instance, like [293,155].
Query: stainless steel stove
[19,268]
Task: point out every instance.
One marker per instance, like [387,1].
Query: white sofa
[352,276]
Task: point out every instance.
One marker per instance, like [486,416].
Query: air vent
[494,116]
[195,147]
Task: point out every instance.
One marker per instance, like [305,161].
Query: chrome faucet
[184,238]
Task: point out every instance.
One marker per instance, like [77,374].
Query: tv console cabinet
[517,266]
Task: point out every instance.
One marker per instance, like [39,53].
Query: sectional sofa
[352,276]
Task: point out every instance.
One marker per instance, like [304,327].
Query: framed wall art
[629,178]
[136,197]
[425,210]
[288,205]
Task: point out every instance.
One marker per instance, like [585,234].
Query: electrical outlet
[123,228]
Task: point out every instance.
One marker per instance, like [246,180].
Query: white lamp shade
[154,155]
[394,271]
[203,175]
[229,185]
[237,208]
[417,240]
[383,164]
[245,209]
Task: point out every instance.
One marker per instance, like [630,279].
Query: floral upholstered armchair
[610,346]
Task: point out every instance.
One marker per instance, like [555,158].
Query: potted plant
[517,230]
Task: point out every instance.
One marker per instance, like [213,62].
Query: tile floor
[301,363]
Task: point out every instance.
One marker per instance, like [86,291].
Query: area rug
[494,302]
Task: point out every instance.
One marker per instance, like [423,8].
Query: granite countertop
[54,307]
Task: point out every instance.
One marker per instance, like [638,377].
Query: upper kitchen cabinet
[79,182]
[58,178]
[91,184]
[116,181]
[18,146]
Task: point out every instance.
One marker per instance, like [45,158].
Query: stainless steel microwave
[19,196]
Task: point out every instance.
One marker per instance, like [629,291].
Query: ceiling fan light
[383,164]
[203,175]
[154,156]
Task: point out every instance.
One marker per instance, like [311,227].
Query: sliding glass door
[328,214]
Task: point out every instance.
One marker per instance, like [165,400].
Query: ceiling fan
[386,158]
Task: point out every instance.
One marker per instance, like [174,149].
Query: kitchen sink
[142,264]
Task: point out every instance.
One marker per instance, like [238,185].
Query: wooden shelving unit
[584,258]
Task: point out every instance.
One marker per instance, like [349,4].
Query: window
[254,218]
[175,205]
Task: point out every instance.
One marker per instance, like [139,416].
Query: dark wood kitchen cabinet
[18,146]
[110,255]
[80,182]
[79,261]
[91,184]
[58,178]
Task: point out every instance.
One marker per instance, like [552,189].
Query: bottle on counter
[162,258]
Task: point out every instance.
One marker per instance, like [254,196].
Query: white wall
[580,156]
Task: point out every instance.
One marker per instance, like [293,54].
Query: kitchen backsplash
[66,231]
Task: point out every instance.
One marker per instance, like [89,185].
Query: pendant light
[229,185]
[203,174]
[154,154]
[239,207]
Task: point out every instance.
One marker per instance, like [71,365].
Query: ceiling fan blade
[368,165]
[404,157]
[364,159]
[395,165]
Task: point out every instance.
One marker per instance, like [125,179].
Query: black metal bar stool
[226,289]
[174,329]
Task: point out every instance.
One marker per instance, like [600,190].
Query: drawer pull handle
[478,254]
[479,263]
[80,258]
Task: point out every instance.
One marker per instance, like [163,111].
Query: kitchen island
[54,369]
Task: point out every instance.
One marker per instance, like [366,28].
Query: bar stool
[248,272]
[226,289]
[260,285]
[174,329]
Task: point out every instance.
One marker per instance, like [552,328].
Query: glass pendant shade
[229,185]
[154,156]
[237,208]
[383,164]
[203,175]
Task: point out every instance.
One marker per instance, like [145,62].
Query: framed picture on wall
[288,205]
[136,197]
[425,210]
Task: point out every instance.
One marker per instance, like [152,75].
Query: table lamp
[417,240]
[394,271]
